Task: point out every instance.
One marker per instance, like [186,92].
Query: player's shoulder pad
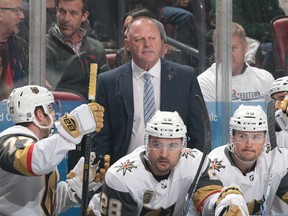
[20,140]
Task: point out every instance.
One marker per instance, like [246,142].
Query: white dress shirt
[138,129]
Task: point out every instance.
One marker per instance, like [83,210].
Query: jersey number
[111,207]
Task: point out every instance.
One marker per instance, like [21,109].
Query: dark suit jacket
[179,85]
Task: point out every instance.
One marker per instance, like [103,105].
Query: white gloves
[82,120]
[231,202]
[96,177]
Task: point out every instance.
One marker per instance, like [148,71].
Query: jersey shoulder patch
[18,140]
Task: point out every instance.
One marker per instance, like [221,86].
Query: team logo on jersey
[268,147]
[127,165]
[217,165]
[251,177]
[187,151]
[147,196]
[163,183]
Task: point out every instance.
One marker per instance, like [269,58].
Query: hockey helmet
[249,118]
[279,85]
[166,125]
[22,102]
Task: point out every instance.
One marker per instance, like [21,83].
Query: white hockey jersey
[130,189]
[252,184]
[282,139]
[29,176]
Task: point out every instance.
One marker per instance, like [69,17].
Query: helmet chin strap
[148,160]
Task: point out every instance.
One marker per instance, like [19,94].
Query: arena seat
[279,30]
[111,58]
[67,96]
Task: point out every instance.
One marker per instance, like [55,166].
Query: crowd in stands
[255,17]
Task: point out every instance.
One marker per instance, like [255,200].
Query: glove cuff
[229,190]
[66,135]
[75,125]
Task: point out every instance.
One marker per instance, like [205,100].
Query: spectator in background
[121,93]
[248,83]
[69,51]
[4,90]
[255,17]
[50,18]
[181,16]
[16,49]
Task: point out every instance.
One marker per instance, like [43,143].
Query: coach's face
[144,42]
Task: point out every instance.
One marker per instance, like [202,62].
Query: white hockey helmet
[249,118]
[22,102]
[166,125]
[279,85]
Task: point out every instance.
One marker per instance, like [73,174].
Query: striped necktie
[148,98]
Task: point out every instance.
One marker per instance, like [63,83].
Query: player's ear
[39,115]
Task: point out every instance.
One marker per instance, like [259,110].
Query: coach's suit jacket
[179,85]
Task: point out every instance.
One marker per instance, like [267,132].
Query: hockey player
[154,179]
[245,161]
[278,91]
[29,156]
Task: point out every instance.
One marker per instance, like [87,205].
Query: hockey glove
[75,176]
[284,105]
[231,202]
[98,113]
[82,120]
[104,164]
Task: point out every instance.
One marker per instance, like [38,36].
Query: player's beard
[239,157]
[165,168]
